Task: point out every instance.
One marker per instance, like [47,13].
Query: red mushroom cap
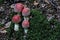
[26,12]
[16,18]
[19,7]
[25,24]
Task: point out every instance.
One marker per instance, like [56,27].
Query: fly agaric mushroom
[16,19]
[26,12]
[25,25]
[18,7]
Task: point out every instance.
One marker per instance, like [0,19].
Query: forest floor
[50,9]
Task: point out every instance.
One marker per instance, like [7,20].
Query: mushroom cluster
[19,7]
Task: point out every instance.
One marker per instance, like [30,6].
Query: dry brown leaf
[4,31]
[36,3]
[47,1]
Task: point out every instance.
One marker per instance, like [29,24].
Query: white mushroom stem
[26,18]
[25,30]
[25,33]
[16,27]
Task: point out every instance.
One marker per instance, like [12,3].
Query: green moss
[1,1]
[39,26]
[31,0]
[1,25]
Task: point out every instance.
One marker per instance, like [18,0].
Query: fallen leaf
[7,24]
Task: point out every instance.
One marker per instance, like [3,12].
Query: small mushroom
[18,7]
[26,12]
[25,24]
[16,19]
